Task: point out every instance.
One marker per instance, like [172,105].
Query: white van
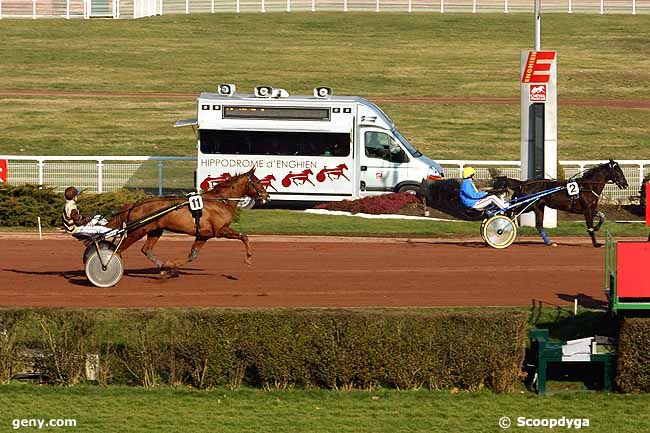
[305,148]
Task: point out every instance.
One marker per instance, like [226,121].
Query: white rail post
[345,5]
[33,9]
[0,9]
[238,9]
[602,7]
[67,9]
[100,176]
[377,6]
[505,7]
[313,5]
[288,5]
[160,178]
[633,7]
[263,6]
[641,173]
[474,6]
[410,6]
[187,6]
[442,6]
[570,6]
[41,176]
[212,6]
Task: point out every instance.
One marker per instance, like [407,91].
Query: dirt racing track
[308,272]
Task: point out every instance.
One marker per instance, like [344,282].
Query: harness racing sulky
[204,215]
[499,228]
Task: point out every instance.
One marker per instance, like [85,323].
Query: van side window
[383,146]
[277,143]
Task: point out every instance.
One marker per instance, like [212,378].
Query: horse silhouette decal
[332,173]
[210,182]
[267,180]
[297,179]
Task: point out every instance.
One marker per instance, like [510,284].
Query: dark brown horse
[590,184]
[219,205]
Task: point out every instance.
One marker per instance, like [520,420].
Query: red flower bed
[381,204]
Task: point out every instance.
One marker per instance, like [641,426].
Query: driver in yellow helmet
[471,197]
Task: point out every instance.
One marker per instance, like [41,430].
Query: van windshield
[286,143]
[412,150]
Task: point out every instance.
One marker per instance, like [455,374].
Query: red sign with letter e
[538,67]
[3,171]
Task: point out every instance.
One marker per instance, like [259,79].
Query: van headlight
[434,174]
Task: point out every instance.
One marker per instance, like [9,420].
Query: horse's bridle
[617,179]
[253,185]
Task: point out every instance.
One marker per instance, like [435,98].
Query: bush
[336,349]
[634,355]
[382,204]
[20,206]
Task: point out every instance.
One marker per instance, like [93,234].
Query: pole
[100,176]
[40,232]
[538,25]
[160,178]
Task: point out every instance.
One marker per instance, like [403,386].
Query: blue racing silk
[469,195]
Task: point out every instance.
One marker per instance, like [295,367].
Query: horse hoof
[552,244]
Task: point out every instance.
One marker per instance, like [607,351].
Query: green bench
[545,351]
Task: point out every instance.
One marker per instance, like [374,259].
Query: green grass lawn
[368,54]
[122,409]
[275,221]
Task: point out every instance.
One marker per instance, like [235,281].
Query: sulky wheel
[90,249]
[482,229]
[499,231]
[105,271]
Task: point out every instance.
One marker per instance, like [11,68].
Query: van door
[383,162]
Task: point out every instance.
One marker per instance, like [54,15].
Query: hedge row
[334,349]
[633,374]
[20,206]
[381,204]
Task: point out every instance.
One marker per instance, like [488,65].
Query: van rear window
[274,143]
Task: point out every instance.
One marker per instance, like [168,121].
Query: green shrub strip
[333,349]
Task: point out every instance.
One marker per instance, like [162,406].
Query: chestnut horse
[219,205]
[590,184]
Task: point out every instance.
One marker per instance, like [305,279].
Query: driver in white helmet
[471,197]
[74,222]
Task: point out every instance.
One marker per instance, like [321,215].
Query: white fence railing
[143,8]
[634,170]
[156,174]
[166,174]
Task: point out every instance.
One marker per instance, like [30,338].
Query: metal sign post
[539,117]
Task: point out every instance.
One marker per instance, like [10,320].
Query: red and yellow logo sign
[538,67]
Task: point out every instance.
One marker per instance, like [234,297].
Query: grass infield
[124,409]
[454,56]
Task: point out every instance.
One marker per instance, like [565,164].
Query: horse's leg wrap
[601,220]
[544,236]
[194,253]
[152,257]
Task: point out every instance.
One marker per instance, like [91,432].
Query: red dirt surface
[308,272]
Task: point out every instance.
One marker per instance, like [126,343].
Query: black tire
[411,189]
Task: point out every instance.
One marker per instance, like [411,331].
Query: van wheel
[246,203]
[411,189]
